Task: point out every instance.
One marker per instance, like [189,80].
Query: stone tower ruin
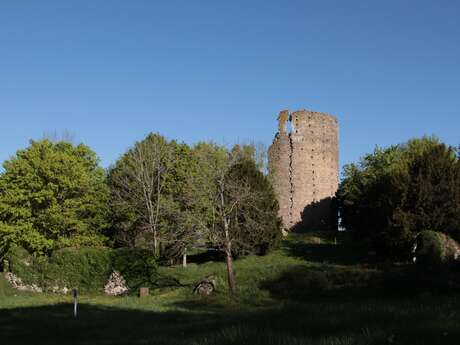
[304,168]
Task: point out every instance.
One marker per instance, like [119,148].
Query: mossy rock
[435,248]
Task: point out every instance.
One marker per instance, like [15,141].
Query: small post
[184,258]
[335,240]
[75,303]
[143,292]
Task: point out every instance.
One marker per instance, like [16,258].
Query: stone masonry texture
[304,169]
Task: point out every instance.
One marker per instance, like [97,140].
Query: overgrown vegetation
[161,197]
[86,269]
[395,193]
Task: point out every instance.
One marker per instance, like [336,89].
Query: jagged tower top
[303,165]
[283,118]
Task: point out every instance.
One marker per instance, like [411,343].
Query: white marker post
[75,302]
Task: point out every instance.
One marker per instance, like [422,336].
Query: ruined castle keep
[304,168]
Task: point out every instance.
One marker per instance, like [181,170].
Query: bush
[393,194]
[5,288]
[435,248]
[86,269]
[21,263]
[137,266]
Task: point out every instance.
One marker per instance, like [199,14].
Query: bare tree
[261,156]
[230,195]
[57,136]
[244,211]
[190,229]
[225,196]
[139,179]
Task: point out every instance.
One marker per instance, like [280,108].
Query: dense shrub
[137,266]
[393,194]
[87,269]
[83,268]
[5,287]
[21,263]
[435,248]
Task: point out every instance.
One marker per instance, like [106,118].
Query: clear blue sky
[112,71]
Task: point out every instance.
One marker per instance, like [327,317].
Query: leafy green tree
[157,197]
[139,197]
[254,151]
[190,212]
[53,195]
[373,191]
[431,198]
[170,195]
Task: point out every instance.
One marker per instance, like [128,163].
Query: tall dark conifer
[257,224]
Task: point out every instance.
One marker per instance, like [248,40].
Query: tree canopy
[394,193]
[53,195]
[164,193]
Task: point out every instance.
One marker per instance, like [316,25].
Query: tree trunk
[230,272]
[155,242]
[184,258]
[228,248]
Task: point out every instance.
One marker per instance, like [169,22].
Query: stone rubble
[116,285]
[18,284]
[57,289]
[205,287]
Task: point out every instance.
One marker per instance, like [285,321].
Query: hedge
[87,269]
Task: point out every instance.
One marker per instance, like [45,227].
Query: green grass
[294,295]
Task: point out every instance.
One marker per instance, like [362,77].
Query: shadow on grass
[316,322]
[340,254]
[302,283]
[206,256]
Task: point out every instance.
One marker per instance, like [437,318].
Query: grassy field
[303,293]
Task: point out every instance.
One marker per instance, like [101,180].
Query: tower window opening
[289,127]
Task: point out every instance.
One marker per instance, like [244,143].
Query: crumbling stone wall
[303,165]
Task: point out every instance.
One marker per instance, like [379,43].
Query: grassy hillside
[310,291]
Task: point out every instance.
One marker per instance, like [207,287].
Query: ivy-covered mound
[435,248]
[87,269]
